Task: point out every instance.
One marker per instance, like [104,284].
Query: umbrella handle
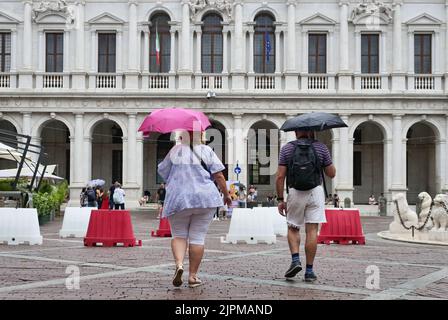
[325,185]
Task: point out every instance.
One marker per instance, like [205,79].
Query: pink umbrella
[171,119]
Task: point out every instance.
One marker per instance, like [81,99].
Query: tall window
[160,44]
[422,53]
[212,50]
[54,52]
[5,52]
[317,53]
[264,44]
[370,59]
[106,52]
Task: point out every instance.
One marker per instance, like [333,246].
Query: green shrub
[44,203]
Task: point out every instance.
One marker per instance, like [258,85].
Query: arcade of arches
[365,165]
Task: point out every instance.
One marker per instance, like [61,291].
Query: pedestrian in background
[119,195]
[111,196]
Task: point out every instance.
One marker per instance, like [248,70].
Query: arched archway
[55,139]
[421,161]
[368,162]
[107,152]
[263,145]
[6,139]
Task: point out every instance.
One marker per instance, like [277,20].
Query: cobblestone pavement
[406,271]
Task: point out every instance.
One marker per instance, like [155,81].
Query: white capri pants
[191,224]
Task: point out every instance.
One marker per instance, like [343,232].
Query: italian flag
[157,47]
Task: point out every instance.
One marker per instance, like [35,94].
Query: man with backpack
[302,163]
[91,197]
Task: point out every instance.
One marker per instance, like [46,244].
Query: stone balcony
[276,83]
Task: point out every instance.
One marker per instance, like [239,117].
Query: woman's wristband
[280,199]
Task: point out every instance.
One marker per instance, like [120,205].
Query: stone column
[79,138]
[146,51]
[93,51]
[446,48]
[119,52]
[239,141]
[277,52]
[443,160]
[26,123]
[345,79]
[398,76]
[291,74]
[358,68]
[41,53]
[26,76]
[383,52]
[199,51]
[132,70]
[411,52]
[79,59]
[173,50]
[132,44]
[238,44]
[13,51]
[27,37]
[251,51]
[344,187]
[398,158]
[78,74]
[224,51]
[132,148]
[66,67]
[185,70]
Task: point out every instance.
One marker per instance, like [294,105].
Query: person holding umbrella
[302,163]
[189,170]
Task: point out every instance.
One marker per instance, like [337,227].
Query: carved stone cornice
[223,6]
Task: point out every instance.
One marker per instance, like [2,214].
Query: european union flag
[268,45]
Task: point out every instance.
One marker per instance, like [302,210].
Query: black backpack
[91,196]
[304,168]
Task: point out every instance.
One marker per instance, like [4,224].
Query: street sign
[237,170]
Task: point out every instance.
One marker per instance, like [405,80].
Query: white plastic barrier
[251,226]
[19,226]
[76,222]
[278,221]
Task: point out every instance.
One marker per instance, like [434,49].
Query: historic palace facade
[80,76]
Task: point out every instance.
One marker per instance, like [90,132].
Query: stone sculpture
[401,209]
[371,7]
[439,213]
[426,201]
[54,6]
[224,6]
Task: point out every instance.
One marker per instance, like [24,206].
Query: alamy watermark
[72,282]
[373,278]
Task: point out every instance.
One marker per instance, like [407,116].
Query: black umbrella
[314,121]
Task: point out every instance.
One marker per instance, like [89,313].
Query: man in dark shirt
[303,207]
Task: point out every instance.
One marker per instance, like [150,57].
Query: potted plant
[45,204]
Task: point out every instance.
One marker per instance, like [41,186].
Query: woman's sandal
[195,283]
[177,280]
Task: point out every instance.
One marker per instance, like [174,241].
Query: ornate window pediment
[56,11]
[106,18]
[424,19]
[198,7]
[371,12]
[7,19]
[318,19]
